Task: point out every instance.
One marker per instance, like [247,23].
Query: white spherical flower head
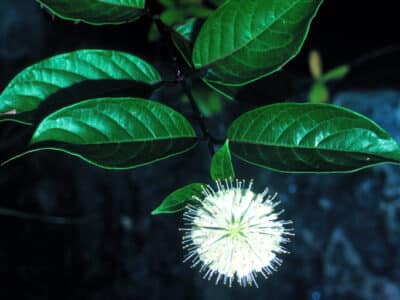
[235,233]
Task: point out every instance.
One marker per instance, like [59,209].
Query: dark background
[107,246]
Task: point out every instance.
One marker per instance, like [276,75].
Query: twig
[391,49]
[181,77]
[47,219]
[199,116]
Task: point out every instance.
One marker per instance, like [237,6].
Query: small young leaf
[172,16]
[183,37]
[186,29]
[294,137]
[115,133]
[319,93]
[177,200]
[34,84]
[243,41]
[186,24]
[96,12]
[154,34]
[167,3]
[336,73]
[208,101]
[315,64]
[221,164]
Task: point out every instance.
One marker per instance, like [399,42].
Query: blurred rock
[382,106]
[21,29]
[346,276]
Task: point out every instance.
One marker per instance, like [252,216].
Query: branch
[388,50]
[182,77]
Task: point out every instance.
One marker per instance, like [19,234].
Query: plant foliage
[226,45]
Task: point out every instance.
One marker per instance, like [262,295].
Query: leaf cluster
[115,124]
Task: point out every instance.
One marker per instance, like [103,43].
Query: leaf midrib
[312,148]
[121,141]
[251,40]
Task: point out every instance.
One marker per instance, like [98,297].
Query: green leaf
[315,64]
[208,101]
[177,200]
[197,11]
[115,133]
[172,16]
[244,40]
[336,73]
[154,34]
[183,36]
[319,93]
[37,82]
[221,164]
[23,119]
[96,12]
[294,137]
[168,3]
[229,92]
[186,29]
[178,15]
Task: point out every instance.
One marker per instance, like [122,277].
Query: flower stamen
[234,233]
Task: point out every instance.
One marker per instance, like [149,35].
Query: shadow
[90,89]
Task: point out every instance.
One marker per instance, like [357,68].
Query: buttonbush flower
[234,233]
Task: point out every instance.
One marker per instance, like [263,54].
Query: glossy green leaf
[183,20]
[186,29]
[37,82]
[96,12]
[221,164]
[177,200]
[293,137]
[336,73]
[116,133]
[244,40]
[23,119]
[229,92]
[183,36]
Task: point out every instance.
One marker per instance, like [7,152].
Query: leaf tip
[155,212]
